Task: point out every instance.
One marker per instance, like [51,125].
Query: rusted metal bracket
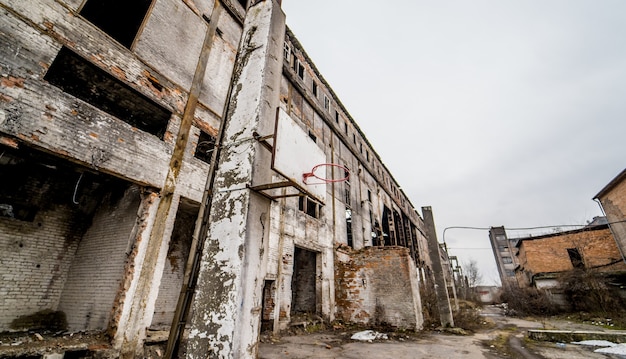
[263,141]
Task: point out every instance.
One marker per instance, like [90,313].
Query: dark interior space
[268,303]
[303,282]
[120,19]
[205,147]
[84,80]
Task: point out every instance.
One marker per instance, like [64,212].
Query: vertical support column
[441,289]
[228,299]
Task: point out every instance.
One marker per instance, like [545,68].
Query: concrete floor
[505,340]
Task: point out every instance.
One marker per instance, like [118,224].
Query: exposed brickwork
[549,254]
[613,199]
[98,266]
[374,287]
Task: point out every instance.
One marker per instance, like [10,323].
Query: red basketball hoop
[306,176]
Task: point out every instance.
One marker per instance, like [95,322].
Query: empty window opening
[315,89]
[361,148]
[349,227]
[312,136]
[174,269]
[354,138]
[575,258]
[120,19]
[82,79]
[367,155]
[347,189]
[244,4]
[79,230]
[303,283]
[300,70]
[205,147]
[287,52]
[345,127]
[309,206]
[369,195]
[387,227]
[337,116]
[326,103]
[507,260]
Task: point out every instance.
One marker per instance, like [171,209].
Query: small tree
[474,278]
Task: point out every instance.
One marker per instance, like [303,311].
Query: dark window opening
[346,193]
[82,79]
[337,116]
[309,206]
[349,226]
[314,89]
[300,70]
[120,19]
[507,260]
[243,3]
[206,145]
[354,138]
[345,127]
[304,284]
[367,155]
[312,136]
[287,52]
[369,195]
[326,103]
[575,258]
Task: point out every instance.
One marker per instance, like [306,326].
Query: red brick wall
[614,205]
[375,286]
[549,254]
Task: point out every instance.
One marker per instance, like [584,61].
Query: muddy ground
[504,338]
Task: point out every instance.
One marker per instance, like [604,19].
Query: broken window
[507,260]
[309,206]
[205,147]
[315,89]
[500,237]
[346,183]
[120,19]
[82,79]
[575,258]
[349,226]
[287,52]
[509,273]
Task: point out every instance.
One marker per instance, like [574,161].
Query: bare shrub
[528,301]
[591,291]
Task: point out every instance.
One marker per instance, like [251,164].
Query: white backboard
[295,153]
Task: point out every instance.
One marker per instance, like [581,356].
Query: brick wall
[614,205]
[374,286]
[549,254]
[174,271]
[98,266]
[35,259]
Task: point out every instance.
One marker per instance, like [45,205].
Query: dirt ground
[505,339]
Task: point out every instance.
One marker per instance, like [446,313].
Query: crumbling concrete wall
[378,285]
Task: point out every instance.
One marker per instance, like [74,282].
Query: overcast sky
[492,112]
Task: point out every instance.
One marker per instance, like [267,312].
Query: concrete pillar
[441,289]
[226,310]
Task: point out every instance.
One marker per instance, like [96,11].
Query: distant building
[613,201]
[504,255]
[543,258]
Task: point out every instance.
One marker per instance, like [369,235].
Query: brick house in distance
[612,199]
[543,258]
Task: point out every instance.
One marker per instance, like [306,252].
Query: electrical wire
[76,188]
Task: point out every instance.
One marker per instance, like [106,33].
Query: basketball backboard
[295,153]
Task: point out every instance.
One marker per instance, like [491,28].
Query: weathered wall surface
[374,286]
[549,254]
[613,202]
[98,266]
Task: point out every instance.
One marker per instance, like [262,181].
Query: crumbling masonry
[135,141]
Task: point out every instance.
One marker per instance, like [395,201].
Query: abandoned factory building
[158,165]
